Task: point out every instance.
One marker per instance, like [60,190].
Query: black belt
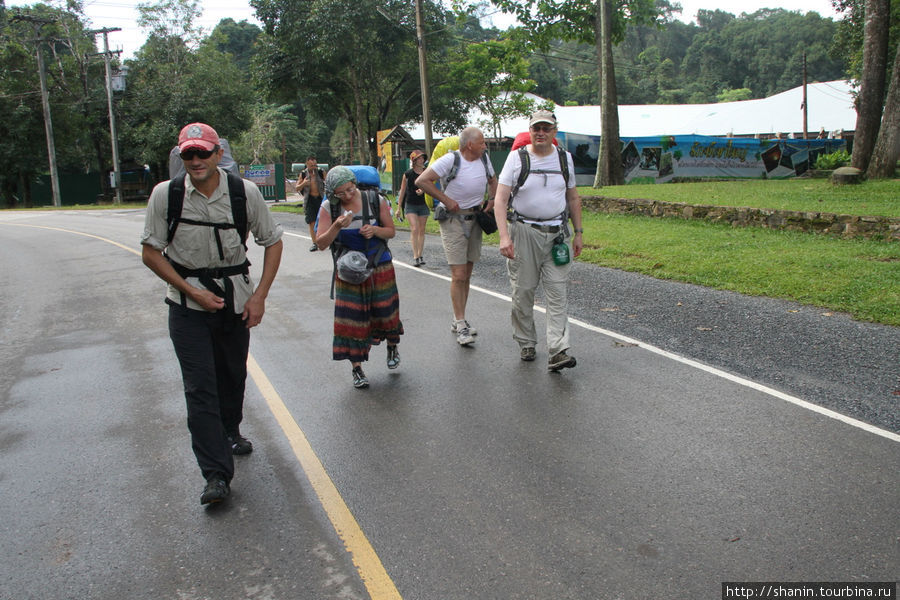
[542,228]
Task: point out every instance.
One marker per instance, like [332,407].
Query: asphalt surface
[471,474]
[820,355]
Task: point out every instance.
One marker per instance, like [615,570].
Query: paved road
[465,473]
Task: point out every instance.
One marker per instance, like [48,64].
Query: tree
[887,146]
[871,91]
[175,80]
[355,59]
[76,97]
[264,140]
[236,39]
[601,23]
[502,63]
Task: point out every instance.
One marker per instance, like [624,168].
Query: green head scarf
[337,176]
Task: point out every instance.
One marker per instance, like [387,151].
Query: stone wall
[817,222]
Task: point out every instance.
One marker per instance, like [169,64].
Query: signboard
[660,159]
[259,174]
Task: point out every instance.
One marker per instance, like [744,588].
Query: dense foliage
[323,76]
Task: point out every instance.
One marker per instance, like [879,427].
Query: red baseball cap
[197,135]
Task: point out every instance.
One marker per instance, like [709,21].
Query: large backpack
[369,184]
[525,160]
[454,169]
[237,195]
[526,170]
[238,199]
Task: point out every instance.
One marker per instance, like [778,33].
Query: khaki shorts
[457,247]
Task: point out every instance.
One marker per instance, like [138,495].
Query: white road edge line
[690,362]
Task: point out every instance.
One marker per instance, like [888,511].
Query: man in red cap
[199,252]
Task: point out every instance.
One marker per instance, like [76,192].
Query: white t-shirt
[543,195]
[470,183]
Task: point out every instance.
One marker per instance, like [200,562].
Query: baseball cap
[415,154]
[197,135]
[542,116]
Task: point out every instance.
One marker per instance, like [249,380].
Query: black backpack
[525,159]
[237,196]
[371,201]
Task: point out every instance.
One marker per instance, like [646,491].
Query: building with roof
[662,142]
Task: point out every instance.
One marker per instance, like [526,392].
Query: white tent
[830,107]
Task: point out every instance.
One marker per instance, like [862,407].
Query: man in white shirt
[536,240]
[471,173]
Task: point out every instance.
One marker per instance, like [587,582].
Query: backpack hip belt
[208,278]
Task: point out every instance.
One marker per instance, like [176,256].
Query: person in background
[212,302]
[462,196]
[369,312]
[310,186]
[411,203]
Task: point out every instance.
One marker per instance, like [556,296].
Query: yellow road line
[371,571]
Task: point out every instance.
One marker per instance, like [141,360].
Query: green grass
[860,277]
[870,198]
[856,276]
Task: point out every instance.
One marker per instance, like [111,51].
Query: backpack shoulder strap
[563,164]
[238,197]
[372,199]
[484,161]
[176,204]
[525,161]
[454,169]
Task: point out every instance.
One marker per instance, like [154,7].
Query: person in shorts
[311,185]
[462,196]
[411,204]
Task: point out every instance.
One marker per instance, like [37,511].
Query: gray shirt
[194,246]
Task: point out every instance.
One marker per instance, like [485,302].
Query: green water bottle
[560,253]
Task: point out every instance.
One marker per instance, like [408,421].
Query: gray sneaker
[464,337]
[561,361]
[527,354]
[454,326]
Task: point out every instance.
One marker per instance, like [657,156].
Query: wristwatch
[579,230]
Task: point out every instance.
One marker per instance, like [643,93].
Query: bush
[829,162]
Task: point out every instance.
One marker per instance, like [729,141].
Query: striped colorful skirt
[366,314]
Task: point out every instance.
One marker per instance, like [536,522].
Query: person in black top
[411,202]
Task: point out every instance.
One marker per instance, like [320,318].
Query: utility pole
[423,76]
[805,105]
[45,101]
[117,172]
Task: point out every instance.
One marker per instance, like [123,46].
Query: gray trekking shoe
[454,326]
[527,354]
[464,337]
[561,361]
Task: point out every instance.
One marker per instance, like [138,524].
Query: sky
[123,14]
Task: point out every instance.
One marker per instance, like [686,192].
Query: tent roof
[830,107]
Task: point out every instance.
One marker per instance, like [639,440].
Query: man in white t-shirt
[462,196]
[536,238]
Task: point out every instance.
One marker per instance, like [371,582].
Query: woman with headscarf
[369,312]
[411,202]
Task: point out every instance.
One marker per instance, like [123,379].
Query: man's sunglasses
[543,128]
[192,152]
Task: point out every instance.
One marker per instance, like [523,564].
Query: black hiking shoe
[216,490]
